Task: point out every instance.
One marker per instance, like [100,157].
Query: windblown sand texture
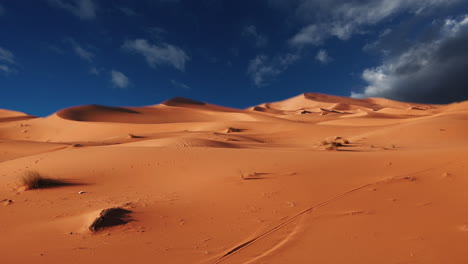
[201,183]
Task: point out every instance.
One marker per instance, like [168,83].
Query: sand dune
[7,116]
[164,113]
[201,183]
[314,101]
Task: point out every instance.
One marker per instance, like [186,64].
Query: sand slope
[8,115]
[210,184]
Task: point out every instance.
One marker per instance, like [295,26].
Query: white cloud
[312,34]
[262,69]
[81,52]
[260,40]
[55,49]
[94,71]
[430,71]
[156,33]
[287,59]
[384,43]
[84,54]
[7,59]
[7,56]
[160,54]
[180,85]
[323,57]
[127,11]
[84,9]
[7,69]
[259,70]
[342,19]
[119,79]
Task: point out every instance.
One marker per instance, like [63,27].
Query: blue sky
[60,53]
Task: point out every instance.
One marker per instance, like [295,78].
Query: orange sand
[267,192]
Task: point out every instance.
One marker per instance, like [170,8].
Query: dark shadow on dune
[255,176]
[110,217]
[234,130]
[352,145]
[16,118]
[261,173]
[259,108]
[134,136]
[181,100]
[47,183]
[115,109]
[81,113]
[350,150]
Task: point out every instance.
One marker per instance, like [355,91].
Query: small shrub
[34,180]
[334,143]
[250,176]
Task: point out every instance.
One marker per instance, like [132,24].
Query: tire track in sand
[238,248]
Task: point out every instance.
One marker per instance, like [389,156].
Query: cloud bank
[343,18]
[431,71]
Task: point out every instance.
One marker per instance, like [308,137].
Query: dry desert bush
[334,143]
[34,180]
[250,176]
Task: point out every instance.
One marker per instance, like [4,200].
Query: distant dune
[8,115]
[312,179]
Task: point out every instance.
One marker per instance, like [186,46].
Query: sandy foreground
[312,179]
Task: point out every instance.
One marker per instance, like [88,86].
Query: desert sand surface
[312,179]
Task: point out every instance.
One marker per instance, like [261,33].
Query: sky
[61,53]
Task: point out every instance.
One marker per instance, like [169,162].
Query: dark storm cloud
[431,71]
[318,21]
